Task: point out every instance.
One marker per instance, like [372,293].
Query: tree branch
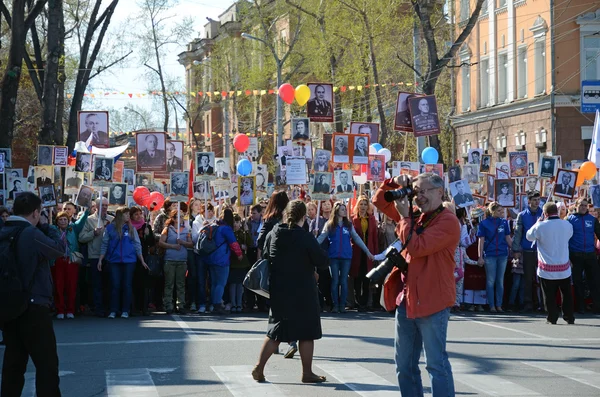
[298,66]
[33,14]
[410,66]
[302,9]
[463,35]
[33,76]
[105,14]
[151,68]
[6,14]
[103,68]
[352,7]
[294,40]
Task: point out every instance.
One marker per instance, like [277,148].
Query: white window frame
[584,61]
[484,76]
[464,15]
[502,67]
[589,24]
[539,60]
[522,73]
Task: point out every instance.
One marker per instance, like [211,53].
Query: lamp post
[279,63]
[139,114]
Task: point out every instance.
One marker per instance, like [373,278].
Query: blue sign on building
[590,96]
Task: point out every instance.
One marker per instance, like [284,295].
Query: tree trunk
[10,81]
[47,134]
[161,77]
[382,123]
[59,132]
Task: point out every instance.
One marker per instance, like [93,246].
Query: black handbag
[257,278]
[155,267]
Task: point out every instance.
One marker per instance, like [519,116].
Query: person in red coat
[365,225]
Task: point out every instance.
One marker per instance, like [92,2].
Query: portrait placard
[117,194]
[103,171]
[320,106]
[403,121]
[262,177]
[174,156]
[360,148]
[454,173]
[300,129]
[489,186]
[370,129]
[73,180]
[84,196]
[437,169]
[179,186]
[202,190]
[246,190]
[151,151]
[61,156]
[118,168]
[48,195]
[205,166]
[321,160]
[474,156]
[344,184]
[341,148]
[548,166]
[502,170]
[45,153]
[595,195]
[7,157]
[531,184]
[252,151]
[320,189]
[222,169]
[486,163]
[376,170]
[221,188]
[518,164]
[144,179]
[504,192]
[565,183]
[15,186]
[45,175]
[83,162]
[424,115]
[95,125]
[460,191]
[479,200]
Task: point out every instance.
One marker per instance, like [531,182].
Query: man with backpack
[26,247]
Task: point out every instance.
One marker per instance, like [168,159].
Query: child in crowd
[518,286]
[460,258]
[238,267]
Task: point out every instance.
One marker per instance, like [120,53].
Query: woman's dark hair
[227,217]
[294,212]
[210,207]
[26,203]
[333,222]
[277,203]
[172,218]
[167,204]
[461,213]
[3,210]
[134,210]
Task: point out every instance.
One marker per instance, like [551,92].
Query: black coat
[293,255]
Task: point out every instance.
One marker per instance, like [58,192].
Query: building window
[590,69]
[539,58]
[484,83]
[522,72]
[502,78]
[465,72]
[501,3]
[465,11]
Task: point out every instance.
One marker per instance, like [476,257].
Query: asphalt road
[500,355]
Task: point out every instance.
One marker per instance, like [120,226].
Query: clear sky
[129,77]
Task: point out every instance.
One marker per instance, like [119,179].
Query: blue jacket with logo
[584,229]
[525,220]
[494,231]
[120,250]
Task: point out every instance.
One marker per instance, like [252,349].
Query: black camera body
[398,194]
[393,258]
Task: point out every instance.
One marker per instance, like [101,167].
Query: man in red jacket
[424,300]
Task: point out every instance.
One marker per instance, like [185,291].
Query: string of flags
[230,93]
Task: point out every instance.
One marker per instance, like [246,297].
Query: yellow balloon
[302,94]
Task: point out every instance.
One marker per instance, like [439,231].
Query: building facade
[519,83]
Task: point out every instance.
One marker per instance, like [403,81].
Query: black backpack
[206,244]
[14,297]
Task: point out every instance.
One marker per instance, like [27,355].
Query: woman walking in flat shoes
[293,255]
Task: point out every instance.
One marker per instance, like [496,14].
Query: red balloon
[140,195]
[287,92]
[241,143]
[156,200]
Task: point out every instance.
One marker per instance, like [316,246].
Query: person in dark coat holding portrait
[293,255]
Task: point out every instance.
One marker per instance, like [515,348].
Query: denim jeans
[121,277]
[339,278]
[412,335]
[98,285]
[518,286]
[201,272]
[218,280]
[494,277]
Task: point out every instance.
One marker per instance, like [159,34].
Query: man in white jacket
[551,235]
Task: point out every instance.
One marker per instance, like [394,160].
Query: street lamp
[279,63]
[139,114]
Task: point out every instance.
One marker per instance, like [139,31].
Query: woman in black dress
[293,254]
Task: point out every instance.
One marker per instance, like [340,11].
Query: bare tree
[19,24]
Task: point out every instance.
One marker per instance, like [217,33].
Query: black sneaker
[292,350]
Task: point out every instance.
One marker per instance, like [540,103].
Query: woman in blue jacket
[122,248]
[494,240]
[339,230]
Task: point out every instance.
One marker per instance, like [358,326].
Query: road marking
[487,383]
[136,382]
[361,380]
[572,372]
[239,382]
[186,328]
[506,328]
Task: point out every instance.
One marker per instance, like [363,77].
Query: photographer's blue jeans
[411,336]
[339,276]
[218,280]
[201,272]
[495,266]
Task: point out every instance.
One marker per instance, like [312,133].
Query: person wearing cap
[551,235]
[523,247]
[582,253]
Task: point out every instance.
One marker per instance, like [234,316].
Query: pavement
[193,355]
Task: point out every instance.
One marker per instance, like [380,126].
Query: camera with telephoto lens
[393,195]
[392,259]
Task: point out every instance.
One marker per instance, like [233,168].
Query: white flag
[594,153]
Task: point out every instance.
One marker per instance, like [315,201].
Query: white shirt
[552,240]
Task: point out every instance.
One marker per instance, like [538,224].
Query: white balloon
[386,153]
[387,175]
[372,150]
[360,179]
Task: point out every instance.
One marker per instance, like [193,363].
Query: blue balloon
[244,167]
[430,155]
[376,146]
